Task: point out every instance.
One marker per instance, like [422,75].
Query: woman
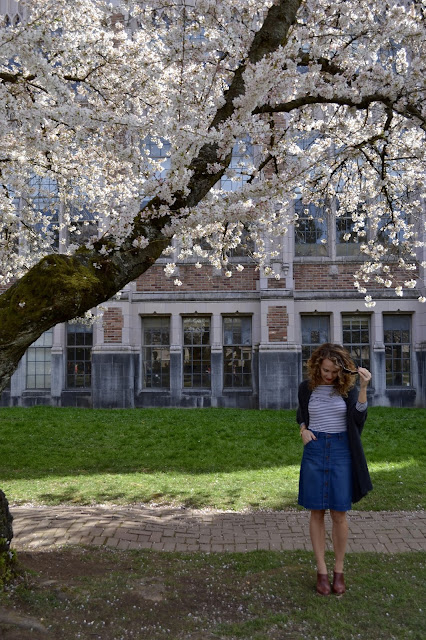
[334,472]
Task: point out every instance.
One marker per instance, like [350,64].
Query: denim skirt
[326,473]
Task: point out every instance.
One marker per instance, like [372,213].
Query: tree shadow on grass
[397,487]
[92,462]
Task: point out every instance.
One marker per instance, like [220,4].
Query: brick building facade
[232,342]
[229,342]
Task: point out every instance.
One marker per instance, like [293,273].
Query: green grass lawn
[221,458]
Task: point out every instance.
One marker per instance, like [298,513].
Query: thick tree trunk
[60,288]
[6,531]
[7,558]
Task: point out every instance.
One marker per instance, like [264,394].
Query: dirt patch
[66,565]
[90,593]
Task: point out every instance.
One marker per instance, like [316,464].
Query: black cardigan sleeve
[361,481]
[356,417]
[304,394]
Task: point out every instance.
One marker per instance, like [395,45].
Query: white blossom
[97,119]
[369,302]
[140,243]
[169,269]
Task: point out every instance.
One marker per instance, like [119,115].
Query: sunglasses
[352,373]
[346,370]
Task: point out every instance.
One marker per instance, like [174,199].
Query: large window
[83,226]
[346,239]
[156,353]
[310,231]
[159,152]
[244,249]
[394,228]
[237,352]
[397,339]
[196,352]
[315,331]
[241,166]
[79,356]
[356,339]
[45,199]
[157,156]
[39,362]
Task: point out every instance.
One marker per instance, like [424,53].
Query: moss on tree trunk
[7,557]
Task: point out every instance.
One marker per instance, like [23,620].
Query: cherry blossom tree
[329,95]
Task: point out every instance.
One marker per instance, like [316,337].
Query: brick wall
[193,279]
[277,320]
[277,284]
[325,276]
[113,322]
[317,277]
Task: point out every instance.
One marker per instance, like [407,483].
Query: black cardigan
[361,482]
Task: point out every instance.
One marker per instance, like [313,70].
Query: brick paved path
[169,529]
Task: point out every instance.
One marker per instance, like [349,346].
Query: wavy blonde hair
[338,356]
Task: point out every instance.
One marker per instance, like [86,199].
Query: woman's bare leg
[317,532]
[340,538]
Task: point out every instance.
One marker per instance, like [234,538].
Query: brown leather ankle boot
[338,583]
[323,584]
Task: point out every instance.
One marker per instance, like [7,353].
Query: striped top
[327,410]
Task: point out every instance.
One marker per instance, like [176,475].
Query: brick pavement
[177,529]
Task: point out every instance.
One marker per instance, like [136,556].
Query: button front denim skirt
[326,473]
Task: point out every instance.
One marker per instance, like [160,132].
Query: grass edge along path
[200,458]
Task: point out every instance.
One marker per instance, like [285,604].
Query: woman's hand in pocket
[307,436]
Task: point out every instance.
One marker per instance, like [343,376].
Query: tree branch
[13,78]
[303,101]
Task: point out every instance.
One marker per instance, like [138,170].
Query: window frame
[243,153]
[87,362]
[40,347]
[394,346]
[44,199]
[324,248]
[155,347]
[313,345]
[359,360]
[189,348]
[239,348]
[347,248]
